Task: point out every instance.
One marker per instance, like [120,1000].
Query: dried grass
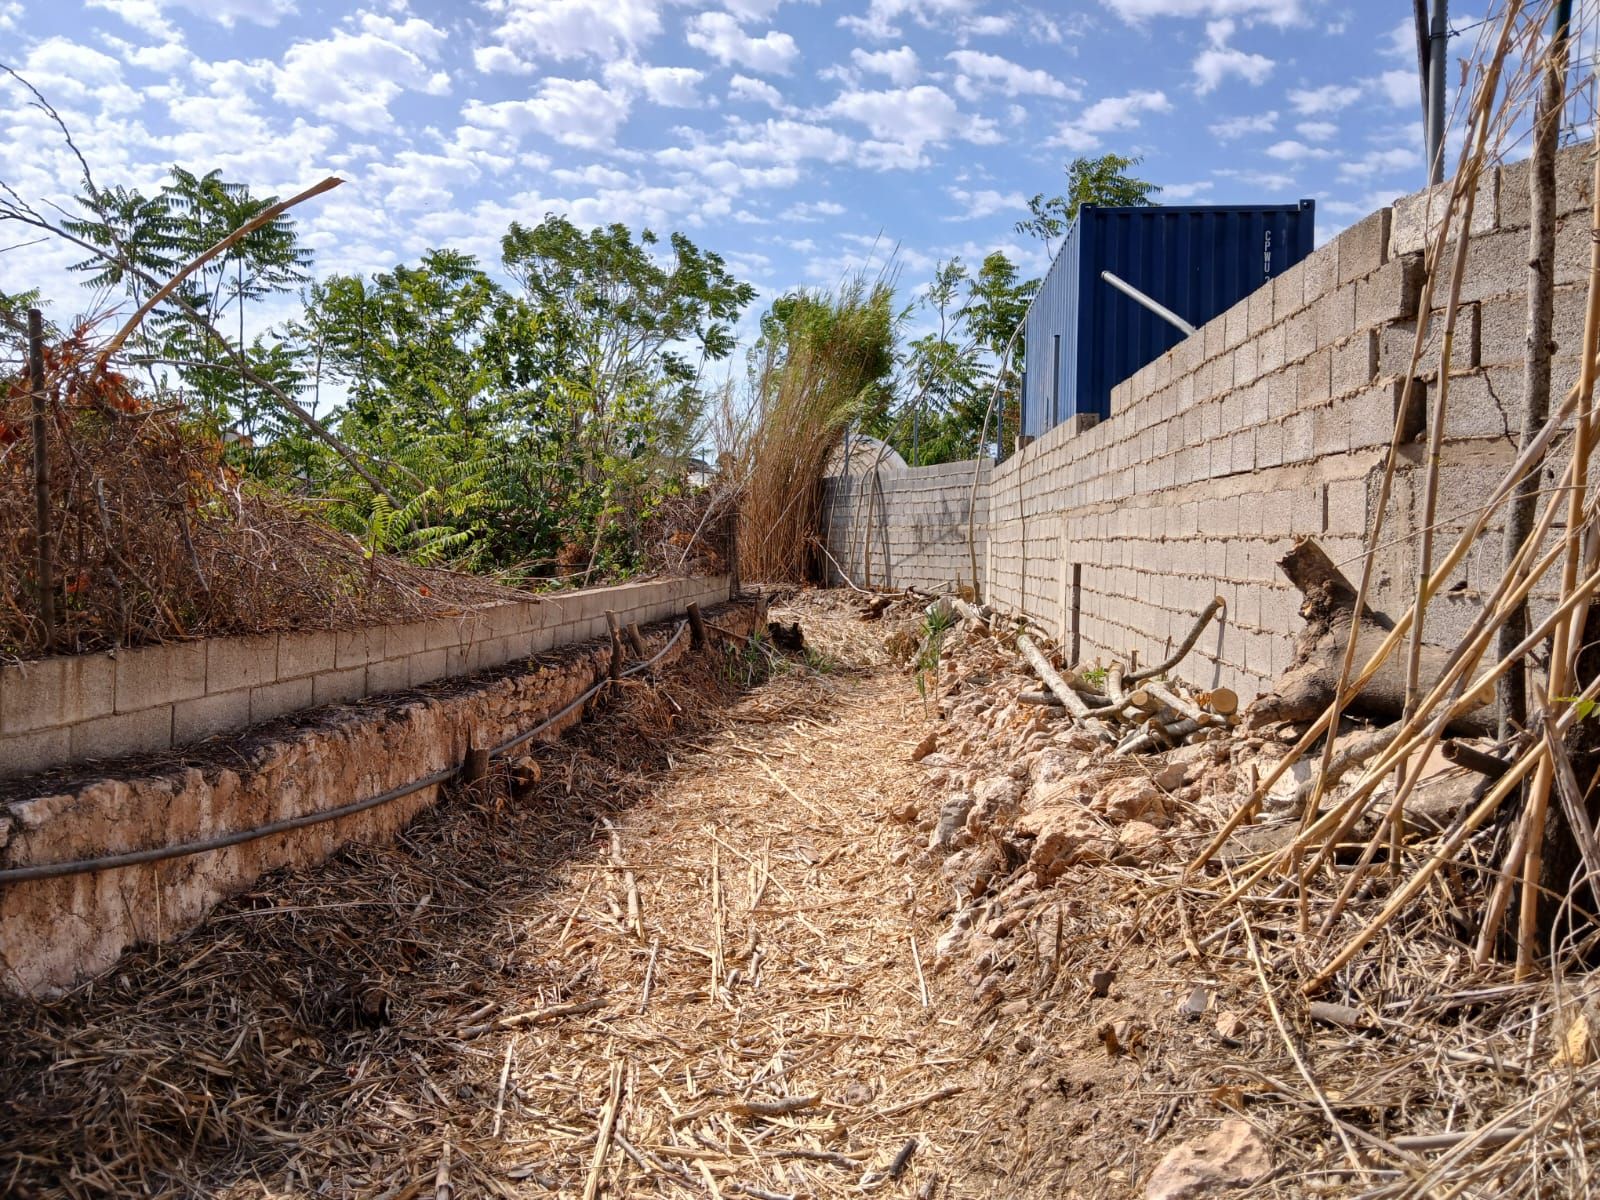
[155,540]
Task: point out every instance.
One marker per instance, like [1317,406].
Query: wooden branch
[265,216]
[1062,690]
[1161,668]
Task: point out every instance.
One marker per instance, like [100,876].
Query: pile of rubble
[1062,841]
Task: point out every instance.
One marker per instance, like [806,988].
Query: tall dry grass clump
[824,359]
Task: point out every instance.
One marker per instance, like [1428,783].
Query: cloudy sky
[799,139]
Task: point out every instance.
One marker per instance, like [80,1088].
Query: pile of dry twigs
[152,538]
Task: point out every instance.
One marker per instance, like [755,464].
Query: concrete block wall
[1273,422]
[907,527]
[57,711]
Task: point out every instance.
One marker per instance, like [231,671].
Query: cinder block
[1335,314]
[1330,429]
[357,647]
[196,719]
[1372,413]
[1347,506]
[1300,336]
[1283,392]
[1354,363]
[428,665]
[1396,343]
[391,675]
[1260,310]
[445,632]
[1214,332]
[276,699]
[1245,368]
[1288,293]
[27,753]
[1574,186]
[1391,293]
[339,686]
[1415,217]
[399,641]
[1364,247]
[125,733]
[1484,403]
[1321,269]
[47,692]
[304,654]
[1316,379]
[242,662]
[152,675]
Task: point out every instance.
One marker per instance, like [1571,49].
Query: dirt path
[692,964]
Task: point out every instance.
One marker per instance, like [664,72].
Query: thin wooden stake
[608,1126]
[44,570]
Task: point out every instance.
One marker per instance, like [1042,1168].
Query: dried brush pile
[821,361]
[154,539]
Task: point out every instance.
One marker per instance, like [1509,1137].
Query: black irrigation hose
[183,849]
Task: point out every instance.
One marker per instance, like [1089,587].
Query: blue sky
[798,139]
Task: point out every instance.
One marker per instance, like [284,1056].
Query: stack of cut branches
[1139,711]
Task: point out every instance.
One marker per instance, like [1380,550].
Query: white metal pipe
[1160,310]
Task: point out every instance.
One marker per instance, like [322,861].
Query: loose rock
[1231,1158]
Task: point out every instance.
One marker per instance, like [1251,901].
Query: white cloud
[898,66]
[1268,12]
[352,77]
[1109,115]
[1220,60]
[984,203]
[904,121]
[979,72]
[719,35]
[1329,98]
[1382,163]
[530,30]
[1230,128]
[1316,131]
[1267,181]
[672,87]
[575,112]
[742,87]
[147,15]
[143,15]
[811,210]
[1401,88]
[881,16]
[1185,191]
[1290,150]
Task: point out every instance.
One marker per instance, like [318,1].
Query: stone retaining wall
[55,932]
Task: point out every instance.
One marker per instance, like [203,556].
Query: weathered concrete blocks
[56,691]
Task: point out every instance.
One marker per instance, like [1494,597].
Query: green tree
[956,372]
[1102,181]
[154,237]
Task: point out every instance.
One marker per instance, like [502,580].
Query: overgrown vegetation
[823,360]
[537,418]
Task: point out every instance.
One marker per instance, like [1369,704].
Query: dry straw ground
[717,994]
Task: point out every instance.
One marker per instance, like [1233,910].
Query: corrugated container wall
[1083,337]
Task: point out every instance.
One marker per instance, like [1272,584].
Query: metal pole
[44,571]
[1160,310]
[1438,37]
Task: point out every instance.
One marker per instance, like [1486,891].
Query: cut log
[1306,688]
[1061,689]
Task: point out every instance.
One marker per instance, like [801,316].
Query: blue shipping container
[1083,336]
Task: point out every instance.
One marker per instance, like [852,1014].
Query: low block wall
[56,931]
[1270,423]
[101,706]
